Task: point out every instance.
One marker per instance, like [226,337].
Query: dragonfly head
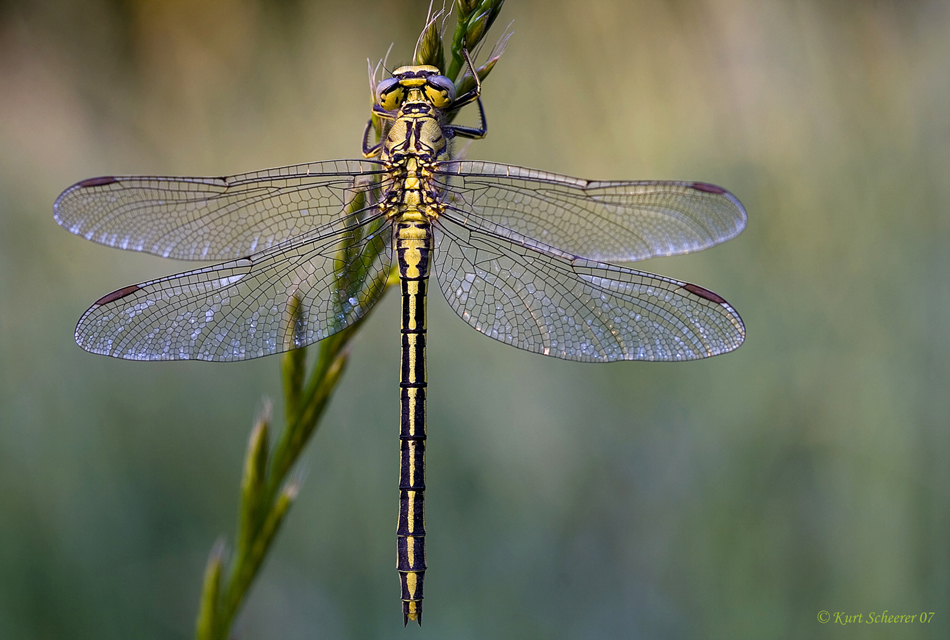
[417,83]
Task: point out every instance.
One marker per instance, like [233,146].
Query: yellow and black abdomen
[413,252]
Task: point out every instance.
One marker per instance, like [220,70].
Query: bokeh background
[729,498]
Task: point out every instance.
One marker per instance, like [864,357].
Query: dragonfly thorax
[416,133]
[415,141]
[412,196]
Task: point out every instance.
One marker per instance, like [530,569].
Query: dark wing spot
[708,188]
[97,182]
[115,295]
[703,293]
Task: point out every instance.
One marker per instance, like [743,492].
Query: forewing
[539,299]
[216,218]
[609,221]
[241,309]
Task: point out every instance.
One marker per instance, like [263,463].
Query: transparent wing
[611,221]
[539,299]
[214,218]
[241,309]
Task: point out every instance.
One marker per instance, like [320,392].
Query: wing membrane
[545,301]
[215,218]
[239,309]
[608,221]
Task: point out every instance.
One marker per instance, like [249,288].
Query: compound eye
[390,94]
[440,91]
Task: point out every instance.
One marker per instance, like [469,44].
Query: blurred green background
[729,498]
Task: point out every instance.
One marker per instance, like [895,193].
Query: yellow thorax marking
[411,182]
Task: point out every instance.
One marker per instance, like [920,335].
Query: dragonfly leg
[379,112]
[470,96]
[475,133]
[370,151]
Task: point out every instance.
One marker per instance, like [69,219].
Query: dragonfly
[523,256]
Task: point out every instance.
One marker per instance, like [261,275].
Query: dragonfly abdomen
[413,252]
